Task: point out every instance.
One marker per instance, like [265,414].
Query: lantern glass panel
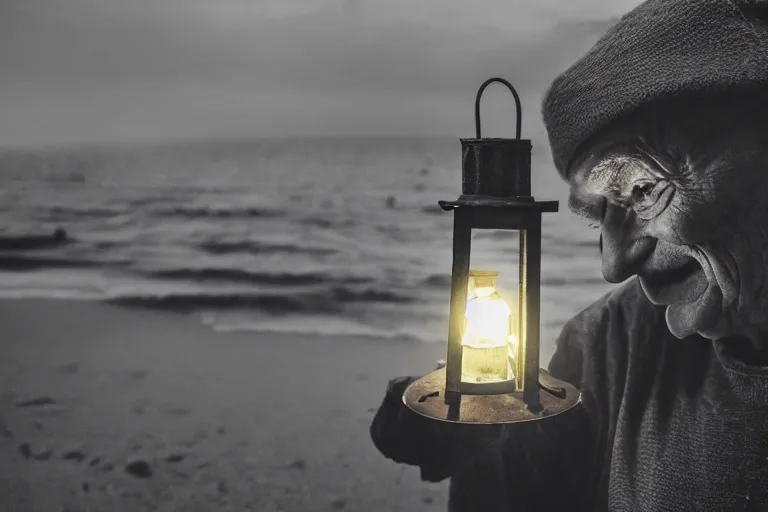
[491,350]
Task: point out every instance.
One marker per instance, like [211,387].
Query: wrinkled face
[681,199]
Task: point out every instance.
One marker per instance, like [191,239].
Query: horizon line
[163,141]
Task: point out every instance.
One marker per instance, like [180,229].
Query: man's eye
[650,198]
[642,192]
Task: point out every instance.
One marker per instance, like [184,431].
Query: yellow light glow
[489,345]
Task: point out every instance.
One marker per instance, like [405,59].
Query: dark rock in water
[419,187]
[174,458]
[74,455]
[424,171]
[222,487]
[139,469]
[95,461]
[86,487]
[391,200]
[221,431]
[299,464]
[36,402]
[25,450]
[427,499]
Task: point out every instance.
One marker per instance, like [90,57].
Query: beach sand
[104,408]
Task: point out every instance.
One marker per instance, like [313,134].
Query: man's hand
[438,448]
[403,436]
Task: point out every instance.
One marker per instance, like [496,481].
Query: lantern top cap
[496,172]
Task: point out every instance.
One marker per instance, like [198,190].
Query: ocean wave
[20,263]
[216,212]
[70,177]
[49,294]
[344,294]
[438,281]
[325,223]
[246,276]
[275,304]
[139,202]
[314,325]
[65,213]
[33,242]
[253,247]
[330,301]
[318,222]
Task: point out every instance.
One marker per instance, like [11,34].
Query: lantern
[491,373]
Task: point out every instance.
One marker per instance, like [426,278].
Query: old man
[661,131]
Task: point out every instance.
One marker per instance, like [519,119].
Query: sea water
[313,236]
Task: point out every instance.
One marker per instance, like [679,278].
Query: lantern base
[426,397]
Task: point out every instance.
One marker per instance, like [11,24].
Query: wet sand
[105,408]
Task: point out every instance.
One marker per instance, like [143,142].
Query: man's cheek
[679,225]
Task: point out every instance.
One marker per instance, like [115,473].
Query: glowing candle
[488,342]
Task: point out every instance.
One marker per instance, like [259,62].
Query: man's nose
[622,250]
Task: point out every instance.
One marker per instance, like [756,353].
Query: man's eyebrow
[607,159]
[612,173]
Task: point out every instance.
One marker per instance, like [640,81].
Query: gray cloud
[84,69]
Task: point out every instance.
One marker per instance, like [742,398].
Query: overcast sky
[102,70]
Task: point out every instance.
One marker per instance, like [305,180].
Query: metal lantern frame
[496,194]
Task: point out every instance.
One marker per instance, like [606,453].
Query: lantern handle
[517,104]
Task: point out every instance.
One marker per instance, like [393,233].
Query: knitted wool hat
[661,50]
